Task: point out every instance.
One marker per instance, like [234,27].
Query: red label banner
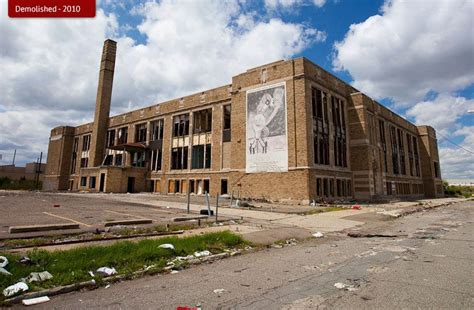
[51,8]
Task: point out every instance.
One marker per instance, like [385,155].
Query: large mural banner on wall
[267,142]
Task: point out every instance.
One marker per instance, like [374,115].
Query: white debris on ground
[39,276]
[35,301]
[219,291]
[166,246]
[346,287]
[15,289]
[106,271]
[202,253]
[3,261]
[91,274]
[318,234]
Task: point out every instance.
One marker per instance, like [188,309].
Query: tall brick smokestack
[102,105]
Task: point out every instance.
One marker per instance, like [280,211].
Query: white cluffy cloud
[413,49]
[50,66]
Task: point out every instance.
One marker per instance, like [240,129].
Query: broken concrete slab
[128,222]
[34,228]
[189,218]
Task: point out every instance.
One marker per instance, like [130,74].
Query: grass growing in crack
[72,266]
[324,210]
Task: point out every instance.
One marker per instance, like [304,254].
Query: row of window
[400,188]
[397,142]
[328,187]
[195,186]
[322,130]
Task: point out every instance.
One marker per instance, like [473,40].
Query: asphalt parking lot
[35,208]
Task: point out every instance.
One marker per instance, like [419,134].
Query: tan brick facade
[348,161]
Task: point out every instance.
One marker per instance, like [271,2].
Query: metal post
[14,155]
[217,205]
[208,204]
[38,169]
[189,197]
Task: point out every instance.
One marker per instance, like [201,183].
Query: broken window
[206,186]
[108,160]
[389,188]
[318,187]
[436,169]
[338,188]
[202,121]
[417,156]
[74,155]
[118,160]
[110,139]
[401,150]
[179,158]
[393,141]
[191,186]
[140,132]
[325,187]
[123,135]
[201,156]
[349,188]
[181,125]
[223,186]
[91,182]
[320,127]
[84,162]
[86,142]
[138,159]
[410,154]
[383,143]
[331,187]
[83,181]
[156,130]
[339,122]
[156,156]
[226,131]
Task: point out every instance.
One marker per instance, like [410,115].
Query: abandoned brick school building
[285,130]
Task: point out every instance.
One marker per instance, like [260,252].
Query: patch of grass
[324,210]
[72,266]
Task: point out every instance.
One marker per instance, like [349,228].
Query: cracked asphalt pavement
[428,265]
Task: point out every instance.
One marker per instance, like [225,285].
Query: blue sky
[416,57]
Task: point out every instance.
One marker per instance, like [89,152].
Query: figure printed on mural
[266,118]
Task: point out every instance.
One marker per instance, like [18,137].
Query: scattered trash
[313,203]
[219,291]
[39,276]
[276,246]
[318,235]
[3,261]
[106,271]
[346,287]
[35,301]
[91,274]
[174,271]
[356,207]
[56,206]
[25,260]
[166,246]
[291,242]
[202,253]
[340,285]
[15,289]
[107,286]
[4,271]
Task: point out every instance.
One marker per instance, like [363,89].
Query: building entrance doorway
[131,185]
[102,182]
